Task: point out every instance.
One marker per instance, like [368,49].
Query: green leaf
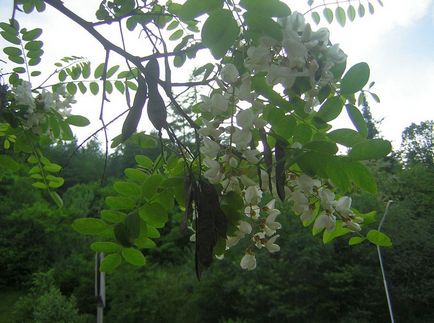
[94,88]
[133,256]
[330,109]
[55,181]
[357,119]
[89,226]
[145,243]
[120,203]
[12,51]
[351,12]
[32,34]
[361,10]
[346,137]
[370,149]
[52,168]
[270,8]
[355,79]
[110,263]
[109,247]
[371,8]
[120,86]
[219,32]
[379,238]
[179,60]
[339,231]
[144,161]
[194,8]
[34,45]
[316,17]
[71,88]
[135,174]
[99,71]
[9,163]
[151,185]
[263,25]
[328,15]
[362,177]
[176,35]
[127,189]
[11,38]
[173,25]
[113,216]
[112,70]
[340,16]
[356,240]
[82,87]
[40,185]
[154,215]
[57,199]
[78,121]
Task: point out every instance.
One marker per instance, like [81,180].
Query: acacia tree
[262,133]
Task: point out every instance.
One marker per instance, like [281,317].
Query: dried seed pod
[279,153]
[268,158]
[157,111]
[133,117]
[211,223]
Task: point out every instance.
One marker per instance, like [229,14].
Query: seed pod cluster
[133,117]
[157,112]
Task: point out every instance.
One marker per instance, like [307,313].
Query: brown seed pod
[133,117]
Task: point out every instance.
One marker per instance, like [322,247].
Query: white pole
[389,303]
[99,288]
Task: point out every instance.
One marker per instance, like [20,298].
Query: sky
[397,42]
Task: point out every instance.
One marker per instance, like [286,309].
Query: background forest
[47,269]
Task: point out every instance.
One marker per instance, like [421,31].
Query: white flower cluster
[35,109]
[305,192]
[232,113]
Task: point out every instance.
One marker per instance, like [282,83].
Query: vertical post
[99,288]
[389,303]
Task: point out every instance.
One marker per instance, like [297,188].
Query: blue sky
[397,42]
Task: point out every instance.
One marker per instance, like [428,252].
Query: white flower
[327,198]
[259,239]
[210,129]
[231,184]
[231,160]
[213,174]
[281,74]
[219,104]
[336,54]
[248,261]
[244,92]
[307,183]
[47,100]
[258,58]
[245,118]
[23,95]
[241,138]
[343,206]
[307,215]
[247,181]
[245,227]
[252,211]
[250,155]
[301,202]
[325,221]
[229,73]
[253,195]
[233,240]
[271,246]
[271,225]
[352,225]
[210,148]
